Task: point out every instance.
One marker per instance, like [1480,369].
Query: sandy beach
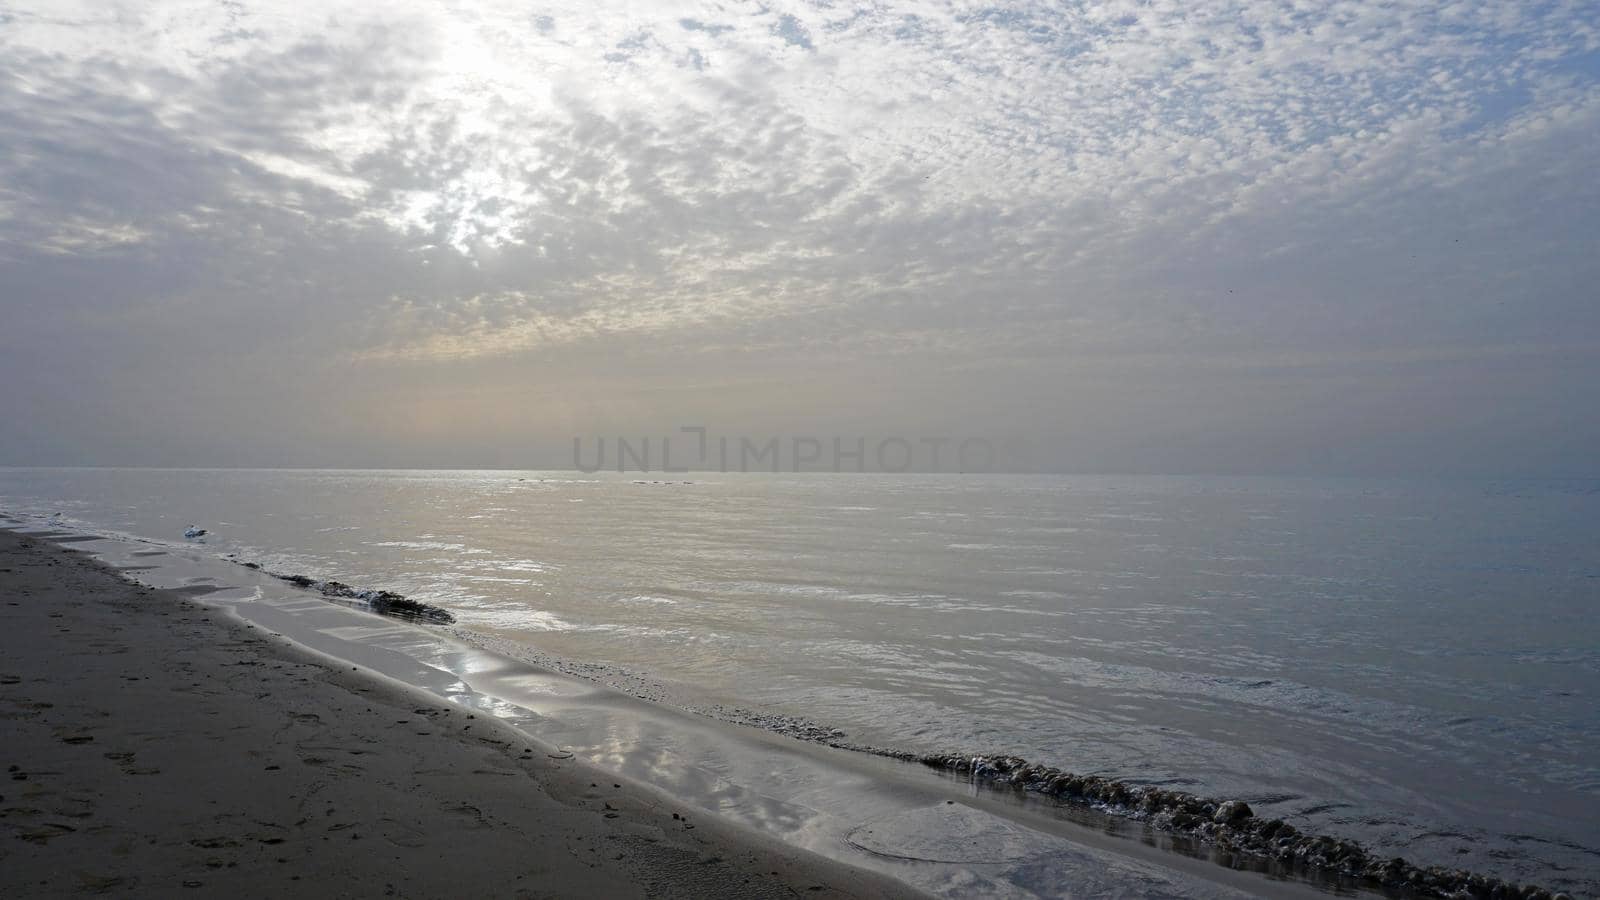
[155,747]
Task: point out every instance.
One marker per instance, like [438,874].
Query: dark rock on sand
[1232,812]
[1231,824]
[386,603]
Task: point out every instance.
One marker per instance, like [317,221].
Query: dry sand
[156,747]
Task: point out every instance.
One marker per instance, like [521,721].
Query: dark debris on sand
[386,603]
[1231,825]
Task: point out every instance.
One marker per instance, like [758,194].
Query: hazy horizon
[666,477]
[1235,237]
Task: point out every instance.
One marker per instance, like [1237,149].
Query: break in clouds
[1243,236]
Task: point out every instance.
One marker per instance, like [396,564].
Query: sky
[1181,236]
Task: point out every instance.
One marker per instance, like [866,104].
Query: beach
[1055,692]
[997,451]
[156,747]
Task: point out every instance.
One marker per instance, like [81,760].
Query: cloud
[350,190]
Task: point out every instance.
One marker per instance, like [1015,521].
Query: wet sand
[156,747]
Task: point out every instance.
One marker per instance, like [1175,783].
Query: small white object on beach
[193,532]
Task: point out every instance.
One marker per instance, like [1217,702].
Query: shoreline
[1307,861]
[1222,826]
[156,745]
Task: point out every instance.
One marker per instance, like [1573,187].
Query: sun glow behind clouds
[474,197]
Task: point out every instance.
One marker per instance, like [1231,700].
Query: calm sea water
[1412,664]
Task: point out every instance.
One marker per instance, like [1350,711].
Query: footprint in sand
[468,811]
[44,833]
[100,884]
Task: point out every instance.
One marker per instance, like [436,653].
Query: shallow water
[1409,664]
[949,837]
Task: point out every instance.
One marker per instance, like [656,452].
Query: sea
[1413,664]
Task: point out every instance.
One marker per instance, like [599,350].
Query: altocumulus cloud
[1172,235]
